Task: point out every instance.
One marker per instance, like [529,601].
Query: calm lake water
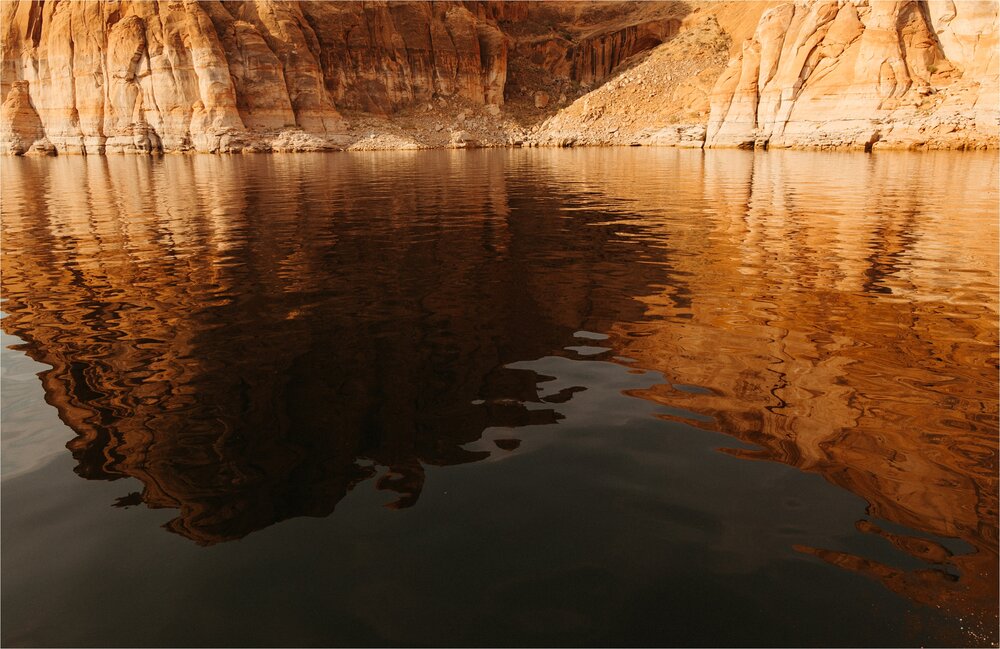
[526,397]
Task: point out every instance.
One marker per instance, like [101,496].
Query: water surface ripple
[556,398]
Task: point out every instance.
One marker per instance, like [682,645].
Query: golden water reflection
[854,310]
[252,337]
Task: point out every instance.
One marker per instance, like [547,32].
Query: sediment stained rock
[269,75]
[214,76]
[857,74]
[595,58]
[379,57]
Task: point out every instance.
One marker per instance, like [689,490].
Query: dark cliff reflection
[220,331]
[253,337]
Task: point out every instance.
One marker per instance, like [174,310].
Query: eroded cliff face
[662,99]
[812,74]
[382,56]
[122,76]
[214,76]
[271,75]
[858,74]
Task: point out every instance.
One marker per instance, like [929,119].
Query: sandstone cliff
[122,76]
[858,74]
[214,76]
[259,75]
[813,74]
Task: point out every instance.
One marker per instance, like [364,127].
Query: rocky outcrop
[662,99]
[213,76]
[906,73]
[594,58]
[272,75]
[21,130]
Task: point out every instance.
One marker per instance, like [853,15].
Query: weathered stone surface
[97,77]
[463,140]
[689,136]
[594,58]
[21,131]
[263,75]
[382,56]
[660,100]
[120,76]
[857,74]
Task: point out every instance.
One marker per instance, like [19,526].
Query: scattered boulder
[463,140]
[686,136]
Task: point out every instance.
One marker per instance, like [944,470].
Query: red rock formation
[855,74]
[214,76]
[592,59]
[122,76]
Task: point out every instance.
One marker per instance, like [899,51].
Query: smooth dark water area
[520,397]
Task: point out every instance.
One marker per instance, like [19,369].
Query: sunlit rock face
[859,74]
[271,75]
[213,76]
[120,76]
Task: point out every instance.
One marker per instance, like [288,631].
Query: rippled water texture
[512,397]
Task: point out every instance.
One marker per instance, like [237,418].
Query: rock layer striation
[859,74]
[93,77]
[272,75]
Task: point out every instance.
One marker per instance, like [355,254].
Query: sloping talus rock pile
[662,99]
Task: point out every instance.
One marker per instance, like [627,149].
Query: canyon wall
[860,74]
[92,77]
[122,76]
[270,75]
[855,74]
